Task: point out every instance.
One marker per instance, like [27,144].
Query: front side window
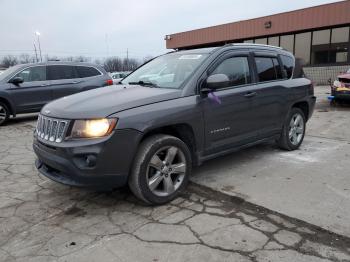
[31,74]
[236,69]
[268,69]
[86,71]
[60,72]
[167,71]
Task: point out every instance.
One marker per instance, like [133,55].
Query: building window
[340,35]
[321,37]
[287,42]
[320,46]
[330,46]
[262,41]
[248,41]
[338,52]
[302,47]
[274,41]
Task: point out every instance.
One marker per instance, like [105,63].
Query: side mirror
[16,80]
[216,81]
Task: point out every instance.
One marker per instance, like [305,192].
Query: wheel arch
[303,106]
[182,131]
[9,105]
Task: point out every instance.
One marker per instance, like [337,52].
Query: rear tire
[293,131]
[160,170]
[4,113]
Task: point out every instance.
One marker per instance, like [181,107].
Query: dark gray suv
[171,114]
[27,88]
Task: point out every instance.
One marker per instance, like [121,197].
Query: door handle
[250,94]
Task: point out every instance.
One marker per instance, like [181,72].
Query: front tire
[4,113]
[293,131]
[161,169]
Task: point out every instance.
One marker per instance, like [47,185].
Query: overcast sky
[110,27]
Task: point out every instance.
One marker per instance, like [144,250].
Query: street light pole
[36,54]
[38,36]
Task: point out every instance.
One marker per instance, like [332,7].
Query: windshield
[8,72]
[167,71]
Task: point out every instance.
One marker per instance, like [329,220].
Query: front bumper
[344,95]
[97,163]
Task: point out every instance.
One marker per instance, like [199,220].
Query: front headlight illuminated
[93,128]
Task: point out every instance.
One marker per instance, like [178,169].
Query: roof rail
[251,44]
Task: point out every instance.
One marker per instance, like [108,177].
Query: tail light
[311,88]
[109,82]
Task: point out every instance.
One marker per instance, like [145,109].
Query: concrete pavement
[41,220]
[311,184]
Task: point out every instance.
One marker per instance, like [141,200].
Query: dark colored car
[152,129]
[27,88]
[341,87]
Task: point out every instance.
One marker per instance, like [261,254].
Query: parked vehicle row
[171,114]
[27,88]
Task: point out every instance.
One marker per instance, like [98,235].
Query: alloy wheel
[296,129]
[3,114]
[166,171]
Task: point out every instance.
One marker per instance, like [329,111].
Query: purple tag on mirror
[212,96]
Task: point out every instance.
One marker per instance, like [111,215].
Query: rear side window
[288,65]
[268,69]
[236,69]
[85,71]
[58,72]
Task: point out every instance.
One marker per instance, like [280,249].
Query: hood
[102,102]
[346,76]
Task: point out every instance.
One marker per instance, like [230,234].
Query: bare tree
[130,64]
[9,61]
[113,64]
[82,59]
[26,58]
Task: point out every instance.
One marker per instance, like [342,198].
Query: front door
[34,92]
[229,112]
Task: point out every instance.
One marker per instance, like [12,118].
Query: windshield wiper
[144,83]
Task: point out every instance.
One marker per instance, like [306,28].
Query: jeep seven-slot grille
[51,129]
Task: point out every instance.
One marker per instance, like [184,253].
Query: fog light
[91,160]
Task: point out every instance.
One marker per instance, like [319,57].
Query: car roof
[59,63]
[209,50]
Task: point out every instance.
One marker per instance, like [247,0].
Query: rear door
[34,92]
[270,101]
[64,80]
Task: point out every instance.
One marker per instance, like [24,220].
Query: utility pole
[36,53]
